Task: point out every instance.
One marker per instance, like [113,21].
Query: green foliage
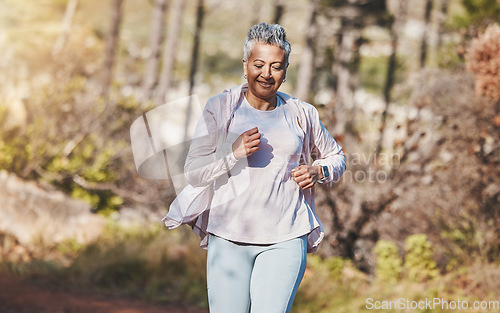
[73,139]
[326,287]
[461,235]
[141,262]
[153,263]
[372,7]
[389,265]
[13,153]
[482,11]
[419,264]
[448,58]
[332,267]
[70,247]
[169,267]
[476,13]
[222,64]
[471,238]
[336,266]
[373,73]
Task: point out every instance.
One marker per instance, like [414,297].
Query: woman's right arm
[213,153]
[209,157]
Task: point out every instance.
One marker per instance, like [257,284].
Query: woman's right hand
[247,143]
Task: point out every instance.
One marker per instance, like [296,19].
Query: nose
[266,72]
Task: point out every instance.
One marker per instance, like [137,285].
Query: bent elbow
[195,177]
[192,176]
[341,167]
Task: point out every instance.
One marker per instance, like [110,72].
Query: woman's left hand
[306,175]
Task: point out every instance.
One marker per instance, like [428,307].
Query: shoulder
[305,108]
[225,100]
[308,108]
[216,103]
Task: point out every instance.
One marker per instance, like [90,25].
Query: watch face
[325,171]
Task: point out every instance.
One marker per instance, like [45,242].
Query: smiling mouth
[265,84]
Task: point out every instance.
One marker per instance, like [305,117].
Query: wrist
[234,149]
[319,172]
[325,173]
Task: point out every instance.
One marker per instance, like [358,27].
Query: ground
[22,296]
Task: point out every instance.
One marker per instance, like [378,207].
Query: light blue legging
[254,278]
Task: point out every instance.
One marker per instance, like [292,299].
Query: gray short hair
[270,34]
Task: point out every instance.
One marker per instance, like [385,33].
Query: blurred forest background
[410,89]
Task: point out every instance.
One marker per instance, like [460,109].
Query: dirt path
[19,296]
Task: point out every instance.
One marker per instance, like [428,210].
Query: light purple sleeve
[210,154]
[328,151]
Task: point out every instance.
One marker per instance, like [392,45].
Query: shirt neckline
[279,102]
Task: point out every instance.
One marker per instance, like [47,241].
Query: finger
[295,171]
[249,138]
[297,179]
[301,180]
[305,180]
[253,136]
[302,173]
[252,131]
[302,184]
[253,143]
[301,169]
[251,151]
[307,186]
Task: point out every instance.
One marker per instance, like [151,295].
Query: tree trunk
[112,45]
[306,67]
[66,26]
[442,20]
[200,12]
[170,50]
[424,45]
[391,69]
[343,100]
[323,62]
[155,42]
[196,45]
[279,8]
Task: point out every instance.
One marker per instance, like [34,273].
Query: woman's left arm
[326,152]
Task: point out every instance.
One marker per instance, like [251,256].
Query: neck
[261,104]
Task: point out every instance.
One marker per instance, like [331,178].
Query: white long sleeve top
[241,200]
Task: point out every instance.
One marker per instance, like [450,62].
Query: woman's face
[265,70]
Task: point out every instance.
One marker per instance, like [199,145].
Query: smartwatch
[325,172]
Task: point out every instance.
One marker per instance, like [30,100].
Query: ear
[245,68]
